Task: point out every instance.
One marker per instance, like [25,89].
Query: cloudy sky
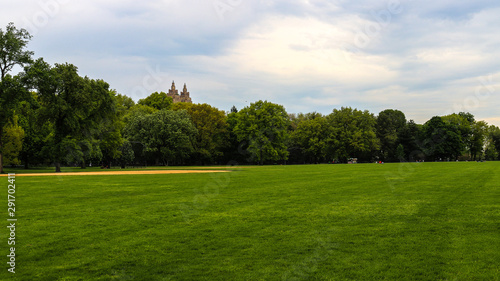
[424,57]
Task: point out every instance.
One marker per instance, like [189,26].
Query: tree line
[50,115]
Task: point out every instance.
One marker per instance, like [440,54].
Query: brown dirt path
[110,173]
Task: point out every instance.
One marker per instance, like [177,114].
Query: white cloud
[305,55]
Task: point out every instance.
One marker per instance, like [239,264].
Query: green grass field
[427,221]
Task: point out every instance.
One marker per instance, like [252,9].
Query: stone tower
[174,94]
[185,95]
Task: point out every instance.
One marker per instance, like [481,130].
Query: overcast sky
[425,58]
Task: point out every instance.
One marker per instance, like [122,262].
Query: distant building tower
[174,94]
[185,95]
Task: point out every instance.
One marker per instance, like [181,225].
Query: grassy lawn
[427,221]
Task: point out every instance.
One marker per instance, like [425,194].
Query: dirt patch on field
[110,173]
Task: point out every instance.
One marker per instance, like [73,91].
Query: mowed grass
[427,221]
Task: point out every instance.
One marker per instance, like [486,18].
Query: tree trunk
[83,165]
[58,167]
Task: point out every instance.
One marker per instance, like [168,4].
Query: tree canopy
[166,135]
[50,115]
[263,126]
[75,106]
[352,134]
[13,43]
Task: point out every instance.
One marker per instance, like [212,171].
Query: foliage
[352,134]
[263,126]
[492,143]
[478,136]
[442,140]
[235,150]
[13,51]
[410,138]
[400,152]
[11,93]
[311,137]
[13,43]
[390,124]
[75,106]
[158,101]
[12,143]
[212,129]
[127,153]
[168,135]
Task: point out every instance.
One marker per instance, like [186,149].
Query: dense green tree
[135,111]
[352,134]
[13,142]
[472,132]
[124,107]
[296,119]
[75,106]
[311,137]
[464,123]
[400,152]
[13,52]
[123,102]
[492,143]
[166,135]
[234,151]
[12,92]
[477,140]
[37,132]
[212,129]
[409,138]
[442,140]
[157,100]
[390,124]
[263,126]
[110,139]
[109,134]
[127,154]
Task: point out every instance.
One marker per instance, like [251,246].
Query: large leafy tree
[234,151]
[311,136]
[390,124]
[165,135]
[492,143]
[477,140]
[13,52]
[442,140]
[263,126]
[13,142]
[463,123]
[37,131]
[157,100]
[473,133]
[75,106]
[352,134]
[409,138]
[110,134]
[212,128]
